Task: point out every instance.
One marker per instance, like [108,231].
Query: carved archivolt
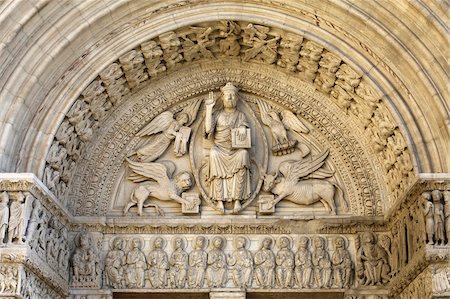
[224,42]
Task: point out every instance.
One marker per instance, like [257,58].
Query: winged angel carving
[157,178]
[300,183]
[165,128]
[165,186]
[279,126]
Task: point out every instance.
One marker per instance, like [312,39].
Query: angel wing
[191,110]
[158,124]
[292,122]
[161,172]
[264,108]
[296,170]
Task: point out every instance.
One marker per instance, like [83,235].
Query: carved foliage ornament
[252,43]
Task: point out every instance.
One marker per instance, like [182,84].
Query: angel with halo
[161,184]
[165,128]
[281,144]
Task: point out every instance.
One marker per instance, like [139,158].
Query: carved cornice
[28,182]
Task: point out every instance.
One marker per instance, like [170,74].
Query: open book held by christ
[244,142]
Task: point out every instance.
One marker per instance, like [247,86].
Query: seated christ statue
[228,173]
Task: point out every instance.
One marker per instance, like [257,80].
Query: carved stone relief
[231,261]
[254,43]
[85,268]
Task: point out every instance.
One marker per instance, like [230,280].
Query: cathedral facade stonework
[224,150]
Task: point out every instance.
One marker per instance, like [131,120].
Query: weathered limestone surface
[222,149]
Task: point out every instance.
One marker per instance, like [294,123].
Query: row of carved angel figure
[306,268]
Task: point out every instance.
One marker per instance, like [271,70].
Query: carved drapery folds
[292,263]
[289,52]
[85,268]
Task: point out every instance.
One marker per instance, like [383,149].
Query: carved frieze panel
[229,261]
[246,43]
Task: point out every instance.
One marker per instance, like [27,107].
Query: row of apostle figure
[307,268]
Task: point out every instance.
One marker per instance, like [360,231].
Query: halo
[323,240]
[287,237]
[113,240]
[163,245]
[297,241]
[183,242]
[224,241]
[346,242]
[79,235]
[247,241]
[141,241]
[261,242]
[205,243]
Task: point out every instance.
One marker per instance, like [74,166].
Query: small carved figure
[16,227]
[170,43]
[64,253]
[216,273]
[166,187]
[115,262]
[439,229]
[261,49]
[428,212]
[197,263]
[446,195]
[56,154]
[241,261]
[84,261]
[158,264]
[373,268]
[135,265]
[303,263]
[281,144]
[322,264]
[229,167]
[4,215]
[65,131]
[265,264]
[153,57]
[133,66]
[10,280]
[342,264]
[197,47]
[229,33]
[295,186]
[395,247]
[285,264]
[163,129]
[289,51]
[308,63]
[179,263]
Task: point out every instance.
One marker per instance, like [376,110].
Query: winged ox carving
[301,182]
